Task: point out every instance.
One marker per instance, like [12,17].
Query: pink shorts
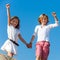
[42,49]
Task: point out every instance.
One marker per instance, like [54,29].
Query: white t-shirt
[12,33]
[43,32]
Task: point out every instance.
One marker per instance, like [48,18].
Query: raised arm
[54,15]
[56,21]
[8,13]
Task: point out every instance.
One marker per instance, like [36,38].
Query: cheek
[11,22]
[41,21]
[46,21]
[16,22]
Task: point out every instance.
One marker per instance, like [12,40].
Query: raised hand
[54,14]
[7,5]
[8,13]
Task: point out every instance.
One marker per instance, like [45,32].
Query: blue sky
[28,11]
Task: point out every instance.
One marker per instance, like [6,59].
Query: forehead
[14,19]
[43,16]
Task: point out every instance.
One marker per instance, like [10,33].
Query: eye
[12,20]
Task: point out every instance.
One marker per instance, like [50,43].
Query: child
[42,31]
[13,34]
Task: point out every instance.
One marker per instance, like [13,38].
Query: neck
[43,24]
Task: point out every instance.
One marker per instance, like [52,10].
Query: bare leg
[10,54]
[38,58]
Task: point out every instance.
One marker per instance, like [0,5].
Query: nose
[43,19]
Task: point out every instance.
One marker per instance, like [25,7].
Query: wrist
[54,16]
[25,43]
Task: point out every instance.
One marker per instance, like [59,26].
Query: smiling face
[14,22]
[43,19]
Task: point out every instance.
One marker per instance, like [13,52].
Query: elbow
[57,23]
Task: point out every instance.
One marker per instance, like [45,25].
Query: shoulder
[18,31]
[50,25]
[37,26]
[10,27]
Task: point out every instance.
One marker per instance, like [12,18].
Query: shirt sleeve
[35,31]
[18,32]
[54,25]
[8,28]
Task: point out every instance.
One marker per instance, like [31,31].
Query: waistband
[14,42]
